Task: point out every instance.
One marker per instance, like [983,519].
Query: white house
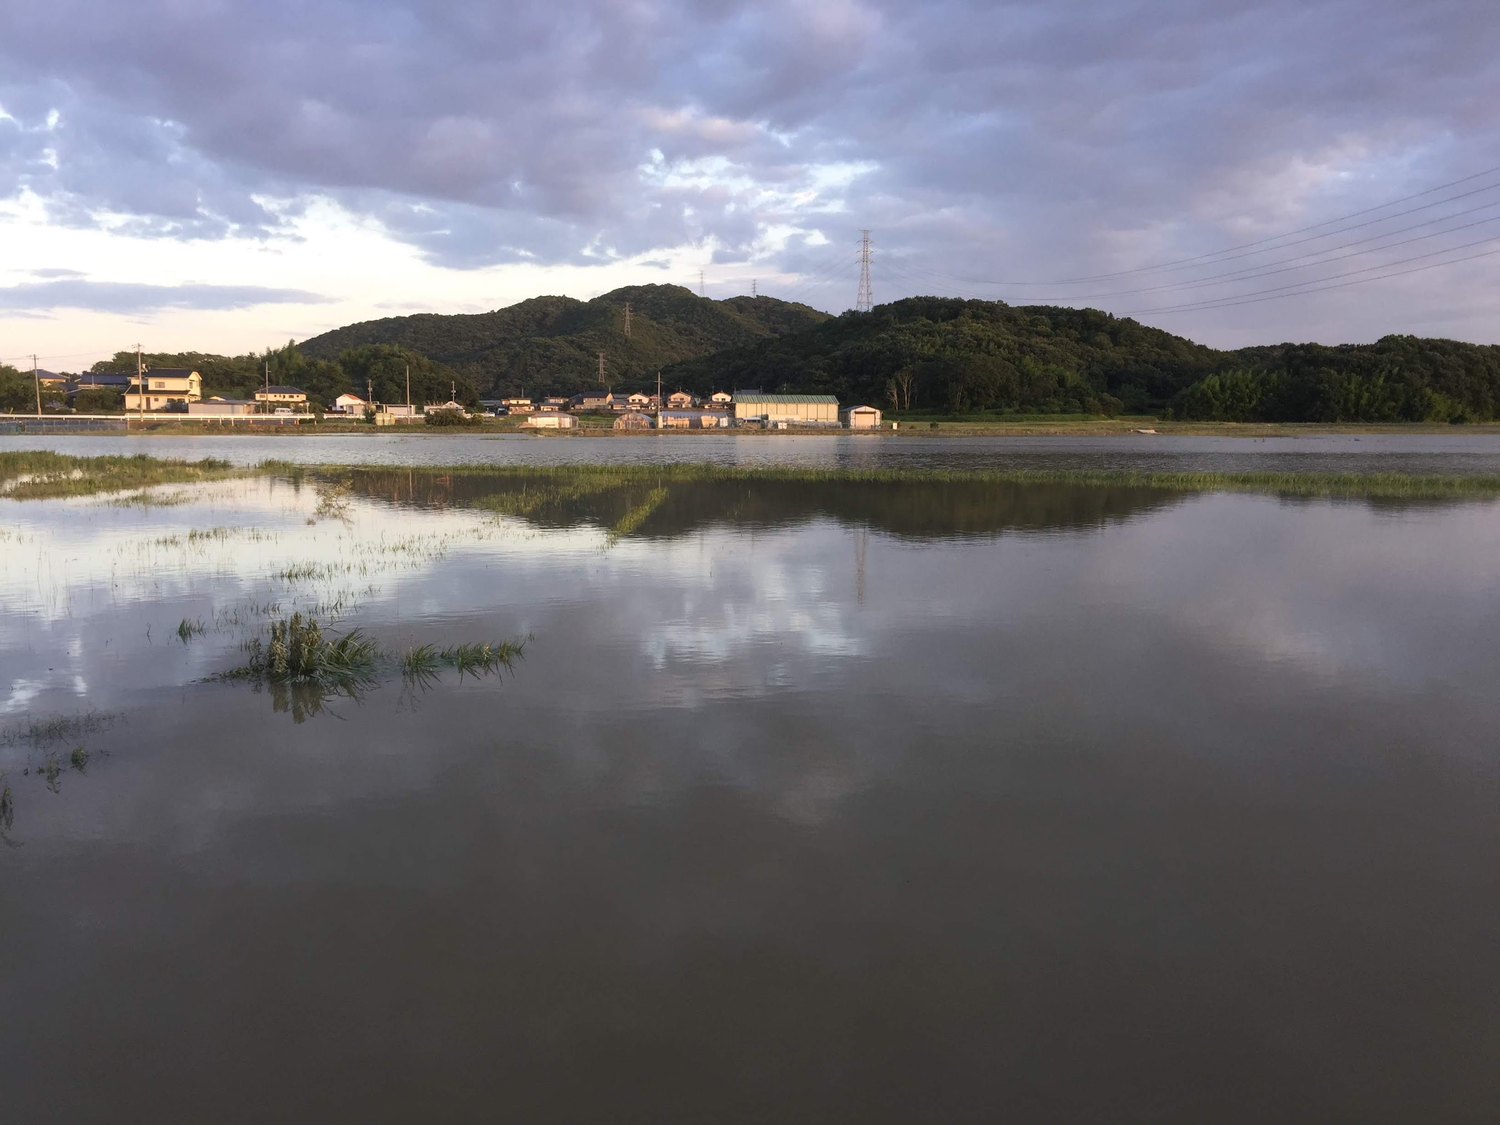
[349,404]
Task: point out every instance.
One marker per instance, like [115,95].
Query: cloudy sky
[219,175]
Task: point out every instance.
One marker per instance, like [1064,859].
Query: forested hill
[943,354]
[552,344]
[952,355]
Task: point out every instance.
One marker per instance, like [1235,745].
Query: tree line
[952,356]
[378,369]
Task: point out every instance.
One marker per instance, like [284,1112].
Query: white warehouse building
[795,410]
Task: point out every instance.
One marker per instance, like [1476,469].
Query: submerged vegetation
[305,670]
[42,733]
[538,486]
[42,475]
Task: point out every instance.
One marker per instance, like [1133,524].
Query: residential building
[287,398]
[783,410]
[517,405]
[638,401]
[861,418]
[349,404]
[440,407]
[721,398]
[590,400]
[681,400]
[164,387]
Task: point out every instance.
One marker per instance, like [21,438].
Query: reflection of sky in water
[1223,766]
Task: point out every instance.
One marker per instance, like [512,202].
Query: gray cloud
[1038,139]
[126,297]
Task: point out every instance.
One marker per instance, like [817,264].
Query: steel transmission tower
[864,301]
[627,320]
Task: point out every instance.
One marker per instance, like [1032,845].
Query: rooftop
[756,399]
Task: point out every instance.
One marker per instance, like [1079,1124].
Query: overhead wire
[1229,253]
[1318,285]
[1272,269]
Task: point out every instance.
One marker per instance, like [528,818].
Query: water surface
[1458,452]
[806,802]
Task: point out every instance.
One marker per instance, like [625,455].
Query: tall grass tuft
[187,630]
[482,658]
[298,651]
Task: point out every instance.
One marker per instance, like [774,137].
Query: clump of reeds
[298,651]
[187,630]
[481,658]
[51,770]
[419,661]
[79,759]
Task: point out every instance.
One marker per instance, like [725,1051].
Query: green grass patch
[538,485]
[43,475]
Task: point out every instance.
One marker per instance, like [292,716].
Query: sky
[220,176]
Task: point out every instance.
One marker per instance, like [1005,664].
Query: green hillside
[552,344]
[957,356]
[931,353]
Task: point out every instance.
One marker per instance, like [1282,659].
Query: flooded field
[789,801]
[1458,452]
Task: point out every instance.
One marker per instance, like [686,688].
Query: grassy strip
[638,514]
[584,478]
[43,475]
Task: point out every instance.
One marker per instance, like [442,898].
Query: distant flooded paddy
[822,801]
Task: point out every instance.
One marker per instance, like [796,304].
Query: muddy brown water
[806,802]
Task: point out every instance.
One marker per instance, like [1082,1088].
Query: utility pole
[864,301]
[601,369]
[140,382]
[700,283]
[658,390]
[268,385]
[408,390]
[627,320]
[37,375]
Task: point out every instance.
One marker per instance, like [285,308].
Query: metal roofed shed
[795,410]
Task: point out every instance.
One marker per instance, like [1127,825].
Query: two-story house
[283,398]
[162,388]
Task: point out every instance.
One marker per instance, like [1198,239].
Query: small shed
[862,418]
[221,407]
[551,420]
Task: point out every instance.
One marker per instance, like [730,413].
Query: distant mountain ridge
[552,344]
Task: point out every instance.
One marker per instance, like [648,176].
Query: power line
[1182,263]
[1270,269]
[1286,290]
